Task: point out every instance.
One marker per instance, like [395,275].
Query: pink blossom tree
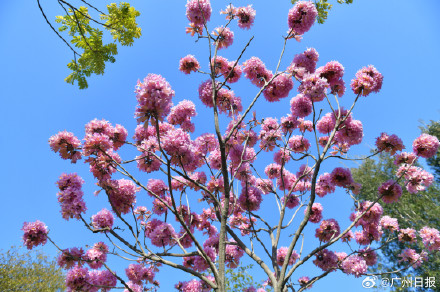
[206,192]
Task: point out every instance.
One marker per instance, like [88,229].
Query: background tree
[87,33]
[412,211]
[323,7]
[29,271]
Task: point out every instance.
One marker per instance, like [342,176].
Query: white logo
[369,282]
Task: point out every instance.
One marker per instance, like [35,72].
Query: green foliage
[29,271]
[345,1]
[324,7]
[412,211]
[433,128]
[239,279]
[120,21]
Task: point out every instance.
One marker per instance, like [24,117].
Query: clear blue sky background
[401,38]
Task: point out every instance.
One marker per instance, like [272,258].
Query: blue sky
[400,38]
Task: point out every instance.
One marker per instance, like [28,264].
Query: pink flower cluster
[333,72]
[389,143]
[326,124]
[103,220]
[326,260]
[278,88]
[117,135]
[281,256]
[302,16]
[349,131]
[96,144]
[121,194]
[189,64]
[134,287]
[229,69]
[416,178]
[328,229]
[430,238]
[71,257]
[35,233]
[315,213]
[282,156]
[250,198]
[291,200]
[194,286]
[255,70]
[104,164]
[304,281]
[325,185]
[102,280]
[389,223]
[97,255]
[369,256]
[78,279]
[154,96]
[198,12]
[137,273]
[70,196]
[148,161]
[270,133]
[289,123]
[102,137]
[341,177]
[426,146]
[373,214]
[413,258]
[181,150]
[181,114]
[225,37]
[245,15]
[407,235]
[160,233]
[367,80]
[405,158]
[301,106]
[67,144]
[370,222]
[81,279]
[391,191]
[198,263]
[226,100]
[314,87]
[242,223]
[233,255]
[350,134]
[354,265]
[157,187]
[298,144]
[304,63]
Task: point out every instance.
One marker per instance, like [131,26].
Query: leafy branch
[86,33]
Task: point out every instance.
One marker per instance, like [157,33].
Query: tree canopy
[29,271]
